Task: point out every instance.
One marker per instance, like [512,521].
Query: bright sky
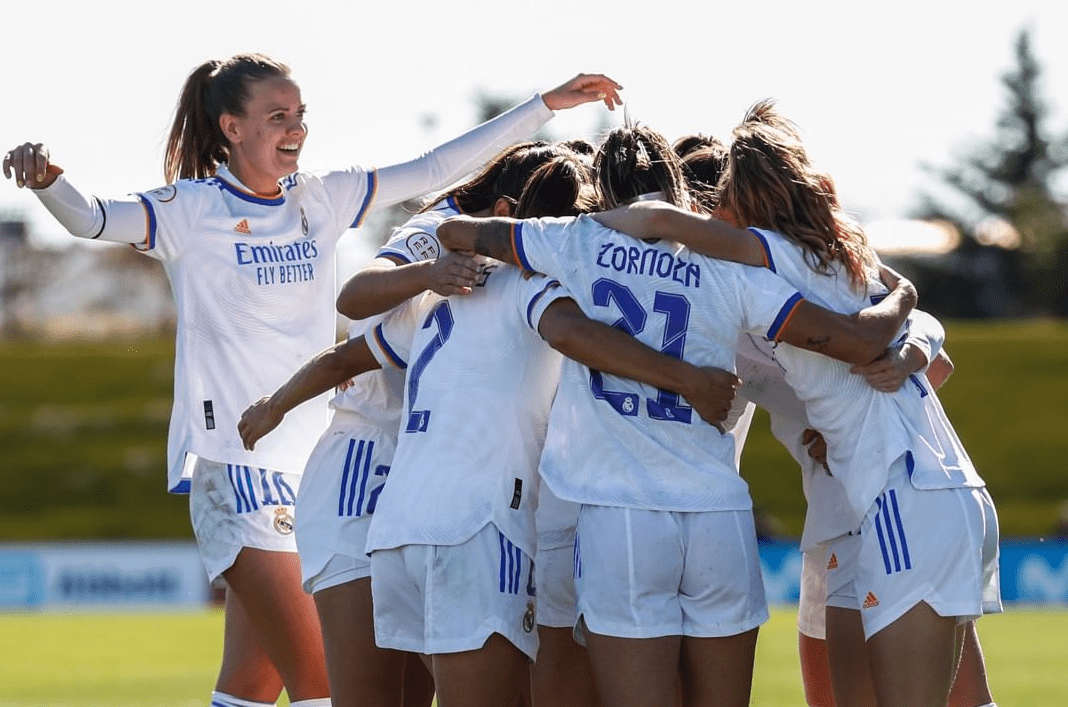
[876,92]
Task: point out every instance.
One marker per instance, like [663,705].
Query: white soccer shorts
[936,546]
[234,506]
[342,480]
[435,599]
[644,574]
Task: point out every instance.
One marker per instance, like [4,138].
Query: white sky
[875,91]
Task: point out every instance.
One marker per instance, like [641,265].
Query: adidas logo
[242,227]
[832,564]
[871,601]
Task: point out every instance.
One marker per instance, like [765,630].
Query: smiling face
[266,141]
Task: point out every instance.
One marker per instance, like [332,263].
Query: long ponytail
[196,146]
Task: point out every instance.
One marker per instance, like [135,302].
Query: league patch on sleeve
[164,194]
[423,246]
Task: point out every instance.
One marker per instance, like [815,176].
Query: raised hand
[29,165]
[584,88]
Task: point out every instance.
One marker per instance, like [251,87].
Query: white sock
[317,702]
[221,699]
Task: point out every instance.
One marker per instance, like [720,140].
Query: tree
[1008,186]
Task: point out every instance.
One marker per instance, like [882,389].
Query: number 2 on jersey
[442,316]
[676,311]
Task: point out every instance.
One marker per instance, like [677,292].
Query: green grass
[170,660]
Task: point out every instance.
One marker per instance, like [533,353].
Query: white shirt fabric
[254,281]
[615,442]
[866,431]
[480,381]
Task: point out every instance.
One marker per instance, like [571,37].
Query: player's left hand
[584,88]
[888,372]
[259,419]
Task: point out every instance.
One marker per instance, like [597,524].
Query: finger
[40,163]
[807,436]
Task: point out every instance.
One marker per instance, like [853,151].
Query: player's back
[616,442]
[479,384]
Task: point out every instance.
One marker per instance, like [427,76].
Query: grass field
[169,660]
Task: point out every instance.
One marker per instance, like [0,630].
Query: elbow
[350,305]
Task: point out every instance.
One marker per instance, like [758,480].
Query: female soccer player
[667,571]
[248,243]
[924,561]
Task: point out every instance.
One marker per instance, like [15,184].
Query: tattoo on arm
[819,345]
[494,238]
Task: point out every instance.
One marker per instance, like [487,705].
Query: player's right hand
[29,165]
[711,394]
[259,419]
[453,274]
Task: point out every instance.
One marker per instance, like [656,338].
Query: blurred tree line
[1014,250]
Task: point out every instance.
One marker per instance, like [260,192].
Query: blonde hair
[769,182]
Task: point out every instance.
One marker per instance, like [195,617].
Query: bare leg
[418,682]
[283,621]
[848,659]
[635,672]
[921,645]
[491,676]
[970,686]
[718,672]
[361,673]
[246,672]
[815,671]
[562,675]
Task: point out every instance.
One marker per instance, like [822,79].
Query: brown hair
[196,145]
[637,160]
[504,176]
[770,183]
[703,167]
[560,187]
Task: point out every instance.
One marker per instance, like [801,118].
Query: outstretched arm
[855,338]
[450,161]
[709,391]
[485,236]
[702,234]
[384,284]
[327,369]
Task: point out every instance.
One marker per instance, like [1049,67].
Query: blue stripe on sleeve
[150,237]
[372,189]
[766,247]
[387,349]
[784,314]
[517,246]
[537,298]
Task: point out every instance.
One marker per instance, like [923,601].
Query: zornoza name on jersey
[279,264]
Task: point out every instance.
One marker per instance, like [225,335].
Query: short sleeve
[390,340]
[349,192]
[767,301]
[543,245]
[170,212]
[535,294]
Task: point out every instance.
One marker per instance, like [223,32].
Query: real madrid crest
[283,522]
[528,617]
[303,222]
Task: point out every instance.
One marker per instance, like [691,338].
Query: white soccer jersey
[865,430]
[615,442]
[254,283]
[376,395]
[479,384]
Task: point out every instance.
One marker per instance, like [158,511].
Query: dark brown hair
[504,176]
[196,145]
[560,187]
[770,183]
[637,160]
[703,167]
